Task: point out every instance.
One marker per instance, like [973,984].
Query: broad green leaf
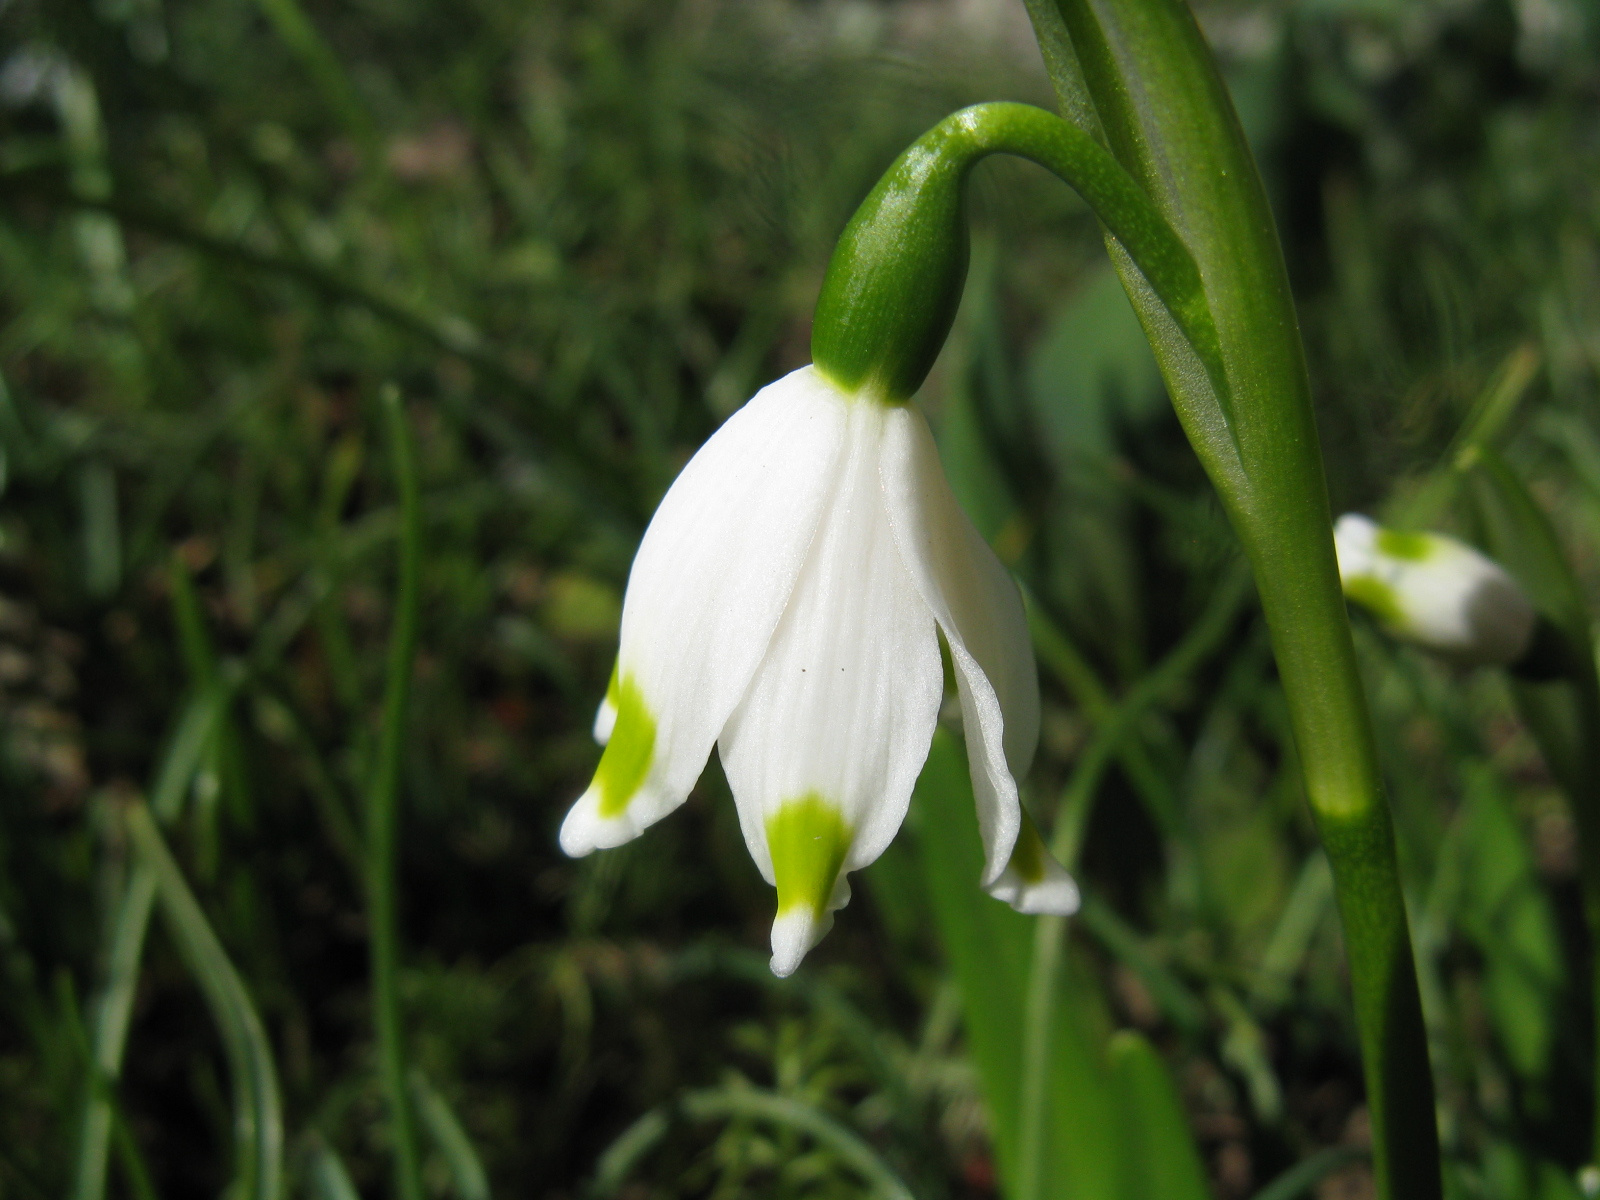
[1162,1161]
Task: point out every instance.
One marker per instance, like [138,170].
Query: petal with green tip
[1033,881]
[710,581]
[844,703]
[808,840]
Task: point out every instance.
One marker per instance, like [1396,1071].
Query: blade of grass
[1563,715]
[631,1145]
[113,1011]
[327,1178]
[792,1113]
[591,478]
[383,810]
[129,924]
[1299,1179]
[103,1089]
[1297,925]
[470,1180]
[258,1115]
[1174,997]
[297,32]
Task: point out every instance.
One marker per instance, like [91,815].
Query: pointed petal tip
[794,932]
[1032,881]
[584,830]
[1056,894]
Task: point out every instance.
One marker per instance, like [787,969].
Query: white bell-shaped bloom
[784,605]
[1435,591]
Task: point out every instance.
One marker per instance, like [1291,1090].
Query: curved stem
[382,813]
[1164,112]
[895,278]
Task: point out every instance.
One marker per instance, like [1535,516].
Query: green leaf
[1163,1163]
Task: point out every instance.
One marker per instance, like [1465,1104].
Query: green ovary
[1376,597]
[808,838]
[1412,547]
[1027,856]
[633,741]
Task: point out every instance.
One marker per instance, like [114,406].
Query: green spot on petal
[808,838]
[633,741]
[1413,547]
[1027,856]
[1376,597]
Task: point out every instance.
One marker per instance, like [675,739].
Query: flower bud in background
[787,599]
[1435,591]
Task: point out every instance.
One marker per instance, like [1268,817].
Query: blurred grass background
[575,235]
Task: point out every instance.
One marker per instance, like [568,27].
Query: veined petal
[1033,881]
[708,585]
[824,749]
[977,604]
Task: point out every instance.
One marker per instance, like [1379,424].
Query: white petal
[708,585]
[1033,881]
[605,717]
[824,750]
[978,606]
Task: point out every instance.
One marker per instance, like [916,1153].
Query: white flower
[783,604]
[1435,591]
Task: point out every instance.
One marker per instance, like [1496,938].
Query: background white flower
[784,604]
[1435,591]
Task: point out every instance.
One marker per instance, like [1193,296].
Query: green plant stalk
[1162,108]
[383,815]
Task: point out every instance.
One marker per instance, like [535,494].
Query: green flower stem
[1163,110]
[383,818]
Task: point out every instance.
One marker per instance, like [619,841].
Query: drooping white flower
[784,605]
[1435,591]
